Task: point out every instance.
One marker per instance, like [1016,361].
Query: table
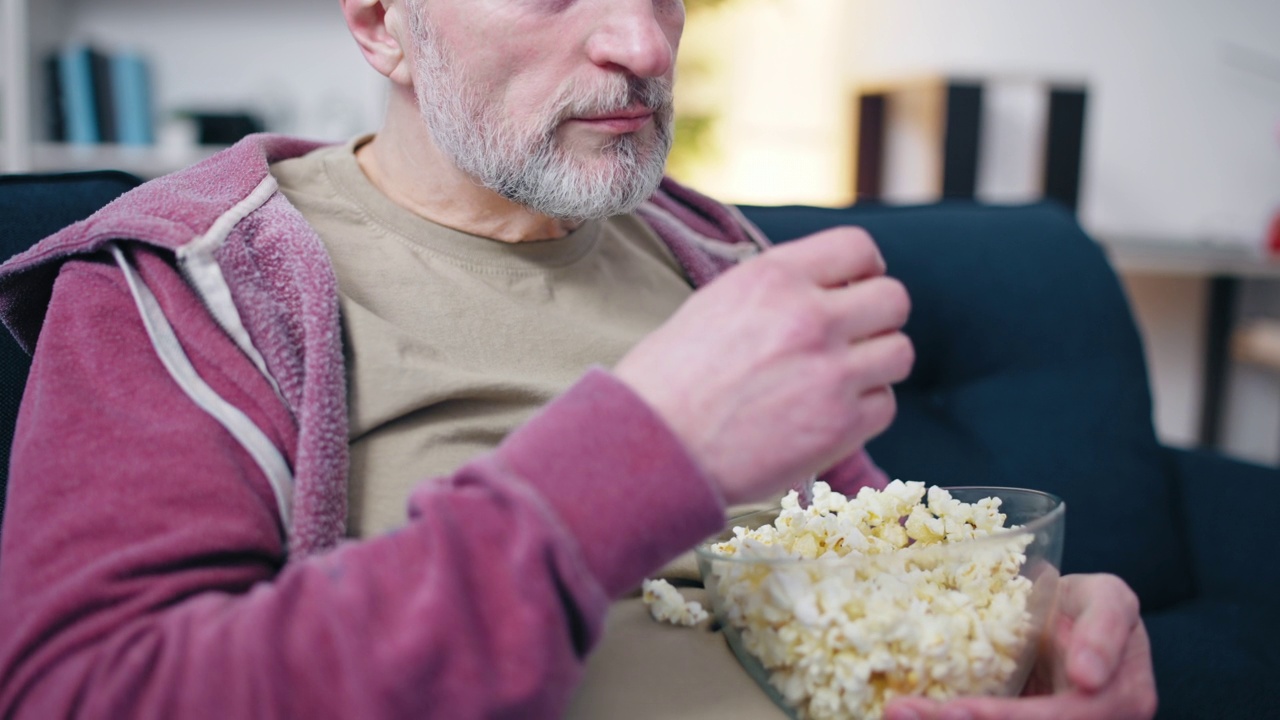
[1224,267]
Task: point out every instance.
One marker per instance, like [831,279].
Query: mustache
[614,95]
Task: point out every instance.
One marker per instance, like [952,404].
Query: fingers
[799,343]
[858,299]
[1100,615]
[876,408]
[831,258]
[869,307]
[1132,696]
[881,360]
[1104,612]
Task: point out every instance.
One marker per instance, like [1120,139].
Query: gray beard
[532,168]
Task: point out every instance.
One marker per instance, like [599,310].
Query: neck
[403,162]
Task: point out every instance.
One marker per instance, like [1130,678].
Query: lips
[638,111]
[626,120]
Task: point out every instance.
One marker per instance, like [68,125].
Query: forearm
[451,617]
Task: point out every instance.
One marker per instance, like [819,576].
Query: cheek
[506,66]
[525,76]
[484,39]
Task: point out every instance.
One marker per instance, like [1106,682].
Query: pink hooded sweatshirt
[173,541]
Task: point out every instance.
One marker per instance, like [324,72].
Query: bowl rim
[703,549]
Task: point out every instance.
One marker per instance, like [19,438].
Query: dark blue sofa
[1030,373]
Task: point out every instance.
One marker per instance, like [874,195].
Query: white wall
[1180,143]
[292,60]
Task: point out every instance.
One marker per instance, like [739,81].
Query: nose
[639,36]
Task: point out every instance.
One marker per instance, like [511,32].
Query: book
[131,84]
[103,95]
[75,77]
[54,99]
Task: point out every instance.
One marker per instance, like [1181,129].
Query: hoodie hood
[166,213]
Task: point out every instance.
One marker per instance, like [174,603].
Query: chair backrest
[1029,373]
[33,207]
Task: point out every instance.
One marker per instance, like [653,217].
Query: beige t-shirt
[453,341]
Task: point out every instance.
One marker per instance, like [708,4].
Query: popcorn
[898,616]
[666,604]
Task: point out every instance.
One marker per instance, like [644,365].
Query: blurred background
[1157,121]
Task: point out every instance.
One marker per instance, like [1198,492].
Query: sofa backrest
[31,208]
[1029,373]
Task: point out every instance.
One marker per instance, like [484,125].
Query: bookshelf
[145,162]
[293,64]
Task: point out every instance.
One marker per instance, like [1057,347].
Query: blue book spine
[103,96]
[132,85]
[55,98]
[76,75]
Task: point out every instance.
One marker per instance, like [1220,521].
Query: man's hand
[782,366]
[1096,665]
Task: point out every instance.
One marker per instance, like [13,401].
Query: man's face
[563,106]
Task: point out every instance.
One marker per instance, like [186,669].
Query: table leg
[1223,291]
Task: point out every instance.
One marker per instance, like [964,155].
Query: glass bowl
[838,637]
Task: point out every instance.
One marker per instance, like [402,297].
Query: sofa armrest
[1217,655]
[1215,658]
[1231,514]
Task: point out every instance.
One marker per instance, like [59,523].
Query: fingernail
[1090,667]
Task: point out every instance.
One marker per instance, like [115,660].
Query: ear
[379,29]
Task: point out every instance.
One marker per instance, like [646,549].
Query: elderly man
[328,431]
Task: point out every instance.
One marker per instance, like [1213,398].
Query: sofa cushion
[1030,373]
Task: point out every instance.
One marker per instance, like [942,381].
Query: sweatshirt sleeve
[144,575]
